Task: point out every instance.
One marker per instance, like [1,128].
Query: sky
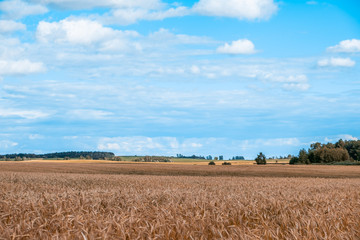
[162,77]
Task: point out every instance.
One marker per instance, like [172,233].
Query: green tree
[303,157]
[260,159]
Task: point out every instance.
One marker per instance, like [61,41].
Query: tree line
[64,155]
[341,151]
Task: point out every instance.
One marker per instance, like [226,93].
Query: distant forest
[72,154]
[341,151]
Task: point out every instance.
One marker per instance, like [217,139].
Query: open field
[204,161]
[55,200]
[130,159]
[115,168]
[173,161]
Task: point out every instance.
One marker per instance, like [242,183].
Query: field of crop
[150,201]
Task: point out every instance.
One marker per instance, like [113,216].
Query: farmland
[88,200]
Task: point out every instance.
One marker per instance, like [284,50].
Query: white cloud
[7,144]
[292,82]
[195,69]
[170,146]
[125,16]
[11,26]
[20,67]
[346,46]
[89,4]
[86,32]
[165,36]
[171,12]
[336,62]
[27,114]
[279,142]
[131,144]
[141,145]
[36,136]
[241,46]
[241,9]
[80,31]
[296,86]
[348,137]
[123,12]
[16,9]
[89,114]
[341,136]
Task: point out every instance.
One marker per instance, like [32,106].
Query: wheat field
[38,205]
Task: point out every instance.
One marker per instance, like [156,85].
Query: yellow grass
[73,206]
[70,161]
[57,200]
[193,162]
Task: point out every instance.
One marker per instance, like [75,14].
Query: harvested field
[112,205]
[184,169]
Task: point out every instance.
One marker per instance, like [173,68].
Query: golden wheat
[92,206]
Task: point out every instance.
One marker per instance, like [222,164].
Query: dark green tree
[260,159]
[303,157]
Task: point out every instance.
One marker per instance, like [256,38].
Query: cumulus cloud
[241,9]
[346,46]
[85,32]
[20,67]
[7,26]
[241,46]
[336,62]
[80,31]
[16,9]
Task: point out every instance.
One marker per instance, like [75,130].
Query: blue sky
[159,77]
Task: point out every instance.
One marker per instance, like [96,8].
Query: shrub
[294,160]
[226,163]
[212,163]
[260,159]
